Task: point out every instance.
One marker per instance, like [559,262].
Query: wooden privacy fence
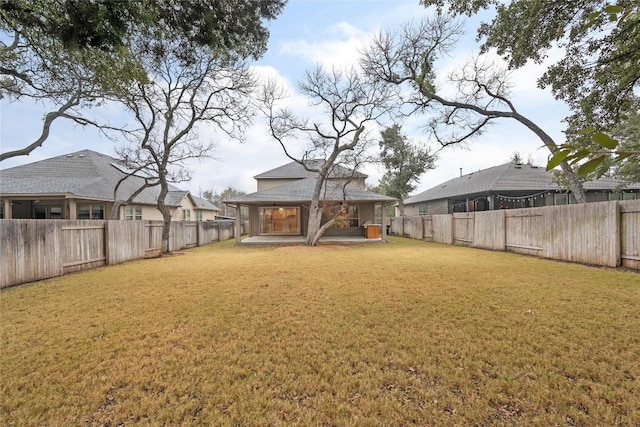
[35,249]
[606,233]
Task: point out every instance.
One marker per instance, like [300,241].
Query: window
[561,199]
[40,212]
[628,196]
[422,208]
[47,212]
[90,211]
[2,209]
[55,212]
[198,215]
[352,216]
[283,220]
[186,215]
[132,212]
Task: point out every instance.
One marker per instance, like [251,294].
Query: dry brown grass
[407,333]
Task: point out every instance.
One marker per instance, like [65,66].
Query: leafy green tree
[627,134]
[72,54]
[404,162]
[598,76]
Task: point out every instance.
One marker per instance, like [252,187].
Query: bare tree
[183,93]
[482,90]
[347,101]
[69,55]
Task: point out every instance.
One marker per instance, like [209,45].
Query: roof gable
[295,170]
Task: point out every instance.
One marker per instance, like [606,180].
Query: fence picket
[603,233]
[39,249]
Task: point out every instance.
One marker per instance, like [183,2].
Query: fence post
[617,235]
[105,238]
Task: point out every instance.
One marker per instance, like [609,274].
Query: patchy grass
[407,333]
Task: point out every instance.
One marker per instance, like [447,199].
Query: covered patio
[279,215]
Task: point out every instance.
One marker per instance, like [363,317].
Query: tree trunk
[314,231]
[400,208]
[166,216]
[574,182]
[115,210]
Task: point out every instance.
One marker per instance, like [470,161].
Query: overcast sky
[307,33]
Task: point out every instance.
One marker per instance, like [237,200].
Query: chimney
[460,171]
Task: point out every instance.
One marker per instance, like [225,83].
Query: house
[81,185]
[508,186]
[280,206]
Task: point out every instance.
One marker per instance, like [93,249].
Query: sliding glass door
[283,220]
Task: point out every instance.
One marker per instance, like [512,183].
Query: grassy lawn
[407,333]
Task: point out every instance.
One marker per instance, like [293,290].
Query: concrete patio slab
[299,240]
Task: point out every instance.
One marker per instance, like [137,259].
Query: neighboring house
[81,186]
[509,186]
[281,204]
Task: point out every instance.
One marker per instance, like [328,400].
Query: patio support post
[383,208]
[8,210]
[72,209]
[238,224]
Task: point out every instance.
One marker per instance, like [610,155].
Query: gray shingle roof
[502,178]
[296,170]
[302,191]
[85,173]
[204,204]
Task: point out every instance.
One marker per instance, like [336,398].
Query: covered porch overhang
[255,236]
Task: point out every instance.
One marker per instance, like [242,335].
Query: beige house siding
[206,215]
[267,183]
[185,205]
[149,213]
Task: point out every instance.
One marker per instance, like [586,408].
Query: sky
[330,33]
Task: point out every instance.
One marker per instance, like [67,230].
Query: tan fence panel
[586,233]
[153,238]
[463,225]
[190,234]
[396,225]
[126,240]
[30,250]
[226,230]
[524,229]
[207,233]
[413,227]
[427,228]
[83,245]
[176,236]
[489,230]
[442,228]
[630,233]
